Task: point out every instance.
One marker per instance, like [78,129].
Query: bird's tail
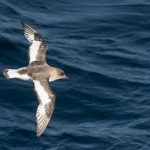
[17,73]
[10,73]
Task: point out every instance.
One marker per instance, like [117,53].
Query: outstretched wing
[38,47]
[47,101]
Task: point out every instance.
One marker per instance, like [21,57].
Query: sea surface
[104,48]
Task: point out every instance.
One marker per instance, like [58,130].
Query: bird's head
[56,74]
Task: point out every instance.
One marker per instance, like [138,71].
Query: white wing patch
[38,47]
[28,32]
[43,95]
[40,110]
[46,106]
[34,48]
[30,37]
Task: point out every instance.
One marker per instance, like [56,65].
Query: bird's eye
[61,74]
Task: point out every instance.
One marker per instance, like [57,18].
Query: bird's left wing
[47,101]
[38,47]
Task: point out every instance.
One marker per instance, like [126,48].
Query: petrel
[41,74]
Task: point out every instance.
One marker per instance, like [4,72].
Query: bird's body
[41,74]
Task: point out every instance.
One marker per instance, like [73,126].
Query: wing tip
[26,25]
[23,24]
[38,134]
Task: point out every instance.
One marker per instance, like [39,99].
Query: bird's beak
[65,77]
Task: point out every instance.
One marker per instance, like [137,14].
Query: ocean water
[104,48]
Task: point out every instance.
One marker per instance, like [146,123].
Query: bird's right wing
[38,47]
[47,101]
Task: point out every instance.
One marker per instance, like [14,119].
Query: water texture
[104,48]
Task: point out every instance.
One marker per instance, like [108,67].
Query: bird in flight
[41,74]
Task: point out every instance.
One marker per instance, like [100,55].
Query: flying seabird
[41,74]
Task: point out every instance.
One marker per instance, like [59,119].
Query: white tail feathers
[13,73]
[10,73]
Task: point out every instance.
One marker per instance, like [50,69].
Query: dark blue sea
[104,48]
